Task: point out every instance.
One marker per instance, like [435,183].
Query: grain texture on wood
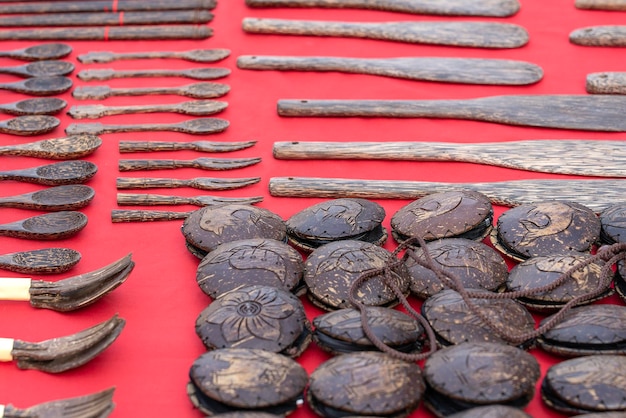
[103,6]
[595,194]
[619,5]
[192,108]
[195,90]
[192,73]
[194,55]
[68,148]
[196,126]
[584,112]
[466,34]
[201,163]
[108,18]
[447,70]
[606,83]
[49,51]
[610,35]
[496,8]
[139,199]
[101,33]
[201,146]
[200,183]
[121,215]
[55,174]
[577,157]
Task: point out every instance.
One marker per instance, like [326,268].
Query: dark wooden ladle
[35,106]
[192,108]
[194,55]
[56,174]
[29,125]
[49,226]
[40,69]
[68,197]
[193,126]
[196,90]
[49,51]
[39,86]
[68,148]
[44,261]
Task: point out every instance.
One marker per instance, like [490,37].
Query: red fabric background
[160,301]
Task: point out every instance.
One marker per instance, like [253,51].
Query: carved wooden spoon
[193,126]
[40,69]
[49,226]
[200,183]
[56,174]
[68,197]
[48,260]
[97,405]
[67,148]
[193,73]
[196,90]
[29,125]
[39,86]
[51,51]
[192,108]
[194,55]
[60,354]
[201,146]
[36,106]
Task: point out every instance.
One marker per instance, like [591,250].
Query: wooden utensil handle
[108,18]
[148,183]
[499,8]
[601,4]
[595,194]
[599,36]
[136,199]
[606,83]
[104,6]
[118,215]
[132,165]
[469,34]
[375,108]
[147,146]
[130,33]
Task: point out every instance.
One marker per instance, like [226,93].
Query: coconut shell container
[210,226]
[331,270]
[246,380]
[546,228]
[341,331]
[365,384]
[337,219]
[459,214]
[613,224]
[259,261]
[470,375]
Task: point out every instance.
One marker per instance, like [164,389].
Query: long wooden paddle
[497,8]
[447,70]
[578,157]
[595,194]
[466,34]
[584,112]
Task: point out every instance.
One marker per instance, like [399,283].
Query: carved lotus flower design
[254,313]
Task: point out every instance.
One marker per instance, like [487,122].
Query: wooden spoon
[41,52]
[64,172]
[447,70]
[192,108]
[48,260]
[37,106]
[194,55]
[196,90]
[197,126]
[601,4]
[193,73]
[29,125]
[584,112]
[466,34]
[68,197]
[139,199]
[49,226]
[40,69]
[498,8]
[200,183]
[67,148]
[201,163]
[576,156]
[201,146]
[39,86]
[96,405]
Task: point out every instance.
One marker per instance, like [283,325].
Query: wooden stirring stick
[192,73]
[194,55]
[196,126]
[192,108]
[196,90]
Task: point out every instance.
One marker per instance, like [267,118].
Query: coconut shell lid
[613,223]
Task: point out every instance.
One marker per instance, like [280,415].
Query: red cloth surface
[149,362]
